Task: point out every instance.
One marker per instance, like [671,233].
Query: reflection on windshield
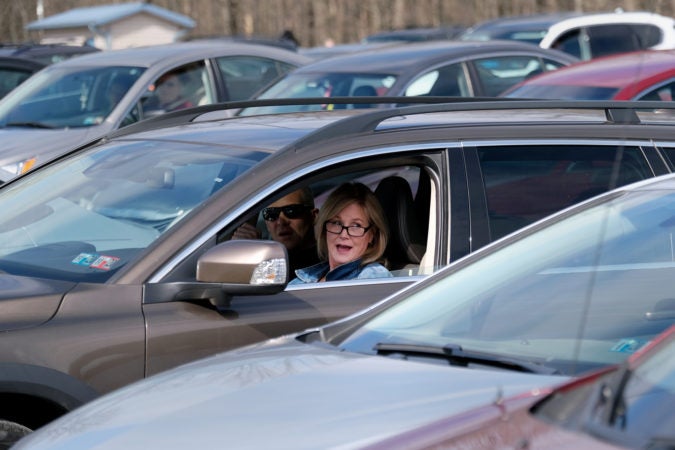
[582,293]
[85,218]
[67,97]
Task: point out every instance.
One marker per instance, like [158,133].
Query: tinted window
[611,39]
[11,78]
[500,73]
[648,35]
[525,184]
[245,75]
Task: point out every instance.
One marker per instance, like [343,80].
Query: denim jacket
[348,271]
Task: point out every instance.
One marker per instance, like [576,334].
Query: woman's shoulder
[374,270]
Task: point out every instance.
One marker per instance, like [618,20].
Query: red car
[642,75]
[625,406]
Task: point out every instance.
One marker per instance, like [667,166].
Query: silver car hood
[19,144]
[279,394]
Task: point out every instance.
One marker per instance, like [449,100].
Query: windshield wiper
[30,125]
[457,356]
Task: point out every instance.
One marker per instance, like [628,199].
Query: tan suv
[100,249]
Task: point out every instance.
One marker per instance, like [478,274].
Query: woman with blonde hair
[351,232]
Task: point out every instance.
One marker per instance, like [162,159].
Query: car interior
[406,194]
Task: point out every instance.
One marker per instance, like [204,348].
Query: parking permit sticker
[85,259]
[627,346]
[95,261]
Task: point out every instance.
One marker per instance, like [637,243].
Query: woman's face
[343,248]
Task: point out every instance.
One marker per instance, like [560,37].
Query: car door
[179,331]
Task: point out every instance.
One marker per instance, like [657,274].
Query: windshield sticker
[628,346]
[95,261]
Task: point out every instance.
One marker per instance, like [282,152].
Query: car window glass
[11,78]
[500,73]
[549,64]
[67,97]
[644,408]
[574,43]
[320,85]
[87,216]
[648,35]
[180,88]
[587,269]
[665,93]
[524,184]
[610,39]
[445,81]
[633,408]
[245,75]
[563,92]
[407,200]
[670,154]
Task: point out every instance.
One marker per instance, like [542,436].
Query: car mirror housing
[236,267]
[244,262]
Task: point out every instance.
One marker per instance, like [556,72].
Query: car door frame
[255,318]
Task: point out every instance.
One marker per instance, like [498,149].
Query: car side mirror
[235,267]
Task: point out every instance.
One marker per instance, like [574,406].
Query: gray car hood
[279,394]
[18,144]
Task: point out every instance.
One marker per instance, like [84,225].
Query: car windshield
[581,293]
[553,92]
[315,85]
[67,97]
[87,216]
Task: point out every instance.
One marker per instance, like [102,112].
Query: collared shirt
[348,271]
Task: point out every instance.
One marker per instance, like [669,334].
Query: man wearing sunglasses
[290,221]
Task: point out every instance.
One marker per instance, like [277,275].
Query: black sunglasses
[294,211]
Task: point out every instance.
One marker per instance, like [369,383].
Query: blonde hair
[343,196]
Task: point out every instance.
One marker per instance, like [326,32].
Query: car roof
[406,57]
[272,132]
[176,52]
[612,17]
[622,70]
[525,22]
[304,130]
[18,62]
[45,53]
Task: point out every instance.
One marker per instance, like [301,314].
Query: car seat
[406,244]
[365,90]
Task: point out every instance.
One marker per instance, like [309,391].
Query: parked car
[99,249]
[45,53]
[415,34]
[452,68]
[628,405]
[579,291]
[76,101]
[14,71]
[529,28]
[323,51]
[585,36]
[643,75]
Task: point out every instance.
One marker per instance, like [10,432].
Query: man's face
[291,232]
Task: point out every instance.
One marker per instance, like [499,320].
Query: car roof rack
[621,112]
